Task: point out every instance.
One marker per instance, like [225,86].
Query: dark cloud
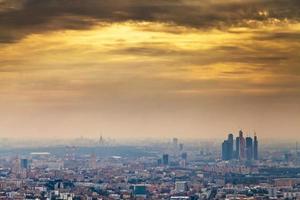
[253,55]
[149,51]
[21,17]
[294,36]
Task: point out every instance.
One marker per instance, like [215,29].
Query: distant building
[181,186]
[165,159]
[249,148]
[101,140]
[230,146]
[183,160]
[184,156]
[255,148]
[242,146]
[140,191]
[180,147]
[175,143]
[159,161]
[272,192]
[237,147]
[286,182]
[225,150]
[16,165]
[24,163]
[246,149]
[180,198]
[175,147]
[93,161]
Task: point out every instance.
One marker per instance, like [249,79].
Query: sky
[149,68]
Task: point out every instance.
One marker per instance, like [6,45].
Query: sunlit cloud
[133,57]
[121,51]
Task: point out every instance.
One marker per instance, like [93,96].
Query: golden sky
[149,68]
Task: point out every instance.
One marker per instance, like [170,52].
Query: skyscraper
[175,143]
[255,148]
[249,148]
[242,146]
[184,156]
[225,150]
[165,159]
[237,147]
[181,147]
[175,147]
[230,146]
[245,148]
[24,163]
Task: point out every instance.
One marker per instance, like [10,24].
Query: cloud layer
[149,67]
[19,18]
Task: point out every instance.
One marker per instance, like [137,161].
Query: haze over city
[141,68]
[149,99]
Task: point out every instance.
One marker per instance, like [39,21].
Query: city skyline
[176,170]
[242,148]
[140,68]
[149,99]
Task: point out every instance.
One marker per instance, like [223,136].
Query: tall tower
[255,148]
[230,146]
[237,147]
[249,148]
[242,146]
[175,143]
[225,150]
[175,148]
[297,154]
[101,140]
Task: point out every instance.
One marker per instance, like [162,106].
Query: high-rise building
[159,161]
[237,147]
[225,150]
[245,148]
[184,156]
[249,148]
[181,147]
[24,163]
[255,148]
[101,140]
[183,160]
[242,153]
[175,147]
[165,159]
[230,146]
[175,143]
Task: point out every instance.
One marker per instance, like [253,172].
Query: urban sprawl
[238,168]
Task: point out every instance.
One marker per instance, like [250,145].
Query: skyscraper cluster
[245,149]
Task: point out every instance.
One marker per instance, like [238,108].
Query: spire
[101,140]
[255,135]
